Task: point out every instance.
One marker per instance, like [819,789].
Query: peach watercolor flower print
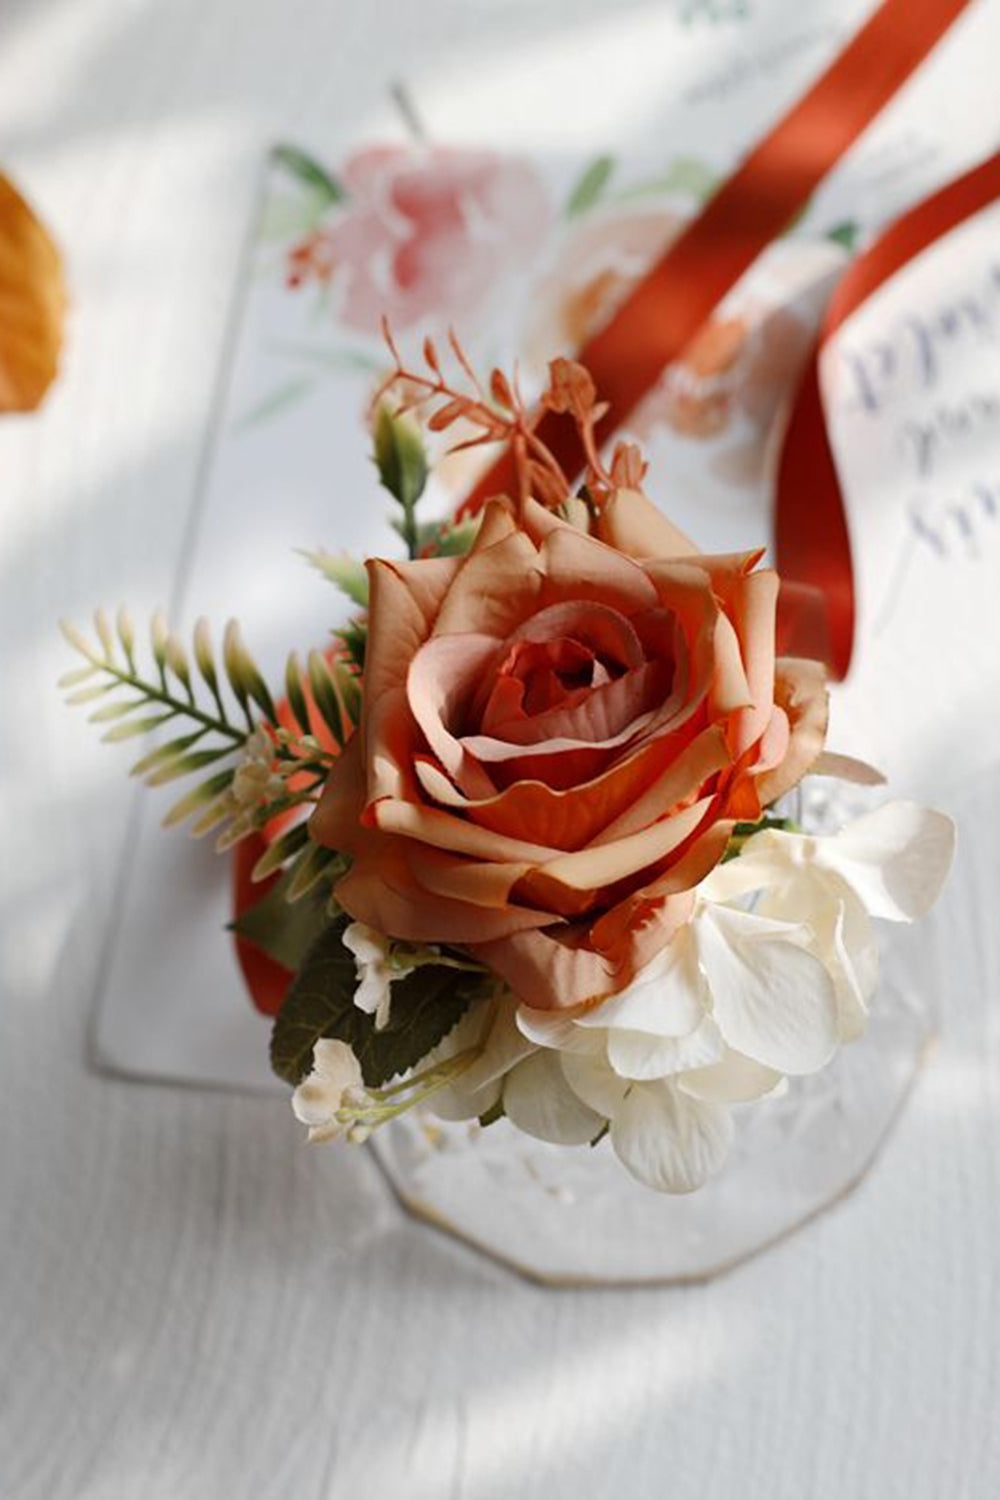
[732,378]
[421,235]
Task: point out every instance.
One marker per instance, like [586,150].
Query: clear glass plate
[573,1216]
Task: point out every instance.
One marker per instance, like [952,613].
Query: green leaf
[325,695]
[426,1005]
[75,675]
[349,575]
[845,234]
[686,174]
[354,636]
[186,765]
[88,695]
[293,692]
[282,849]
[400,458]
[440,538]
[284,930]
[743,831]
[287,394]
[166,752]
[309,870]
[348,686]
[130,728]
[200,797]
[590,185]
[118,710]
[309,171]
[455,539]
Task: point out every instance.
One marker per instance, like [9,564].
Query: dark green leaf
[284,930]
[349,690]
[310,868]
[441,538]
[590,185]
[426,1005]
[293,692]
[309,171]
[743,831]
[354,636]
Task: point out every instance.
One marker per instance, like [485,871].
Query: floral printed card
[526,260]
[525,257]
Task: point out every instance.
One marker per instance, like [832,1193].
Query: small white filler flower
[376,970]
[334,1084]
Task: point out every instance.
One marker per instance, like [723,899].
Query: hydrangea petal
[637,1055]
[895,859]
[772,1000]
[593,1080]
[666,998]
[669,1141]
[734,1079]
[539,1101]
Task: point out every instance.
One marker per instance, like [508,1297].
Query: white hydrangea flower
[890,864]
[334,1082]
[739,1001]
[493,1027]
[376,970]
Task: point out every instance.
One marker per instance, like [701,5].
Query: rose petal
[755,597]
[631,522]
[380,889]
[494,591]
[605,864]
[692,766]
[799,689]
[550,967]
[565,818]
[578,567]
[846,768]
[444,672]
[405,599]
[440,829]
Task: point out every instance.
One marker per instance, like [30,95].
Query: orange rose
[559,732]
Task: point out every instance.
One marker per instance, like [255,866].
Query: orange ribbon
[664,312]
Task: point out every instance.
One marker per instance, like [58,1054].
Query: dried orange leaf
[32,304]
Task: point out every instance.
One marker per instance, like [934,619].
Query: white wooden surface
[192,1304]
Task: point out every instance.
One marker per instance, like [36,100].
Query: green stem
[177,705]
[410,536]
